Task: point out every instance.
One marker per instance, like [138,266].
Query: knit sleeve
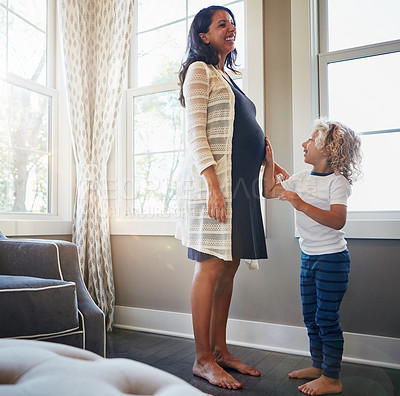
[196,92]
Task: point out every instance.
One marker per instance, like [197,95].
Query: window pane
[4,180]
[3,40]
[4,135]
[24,185]
[158,123]
[364,93]
[152,13]
[354,23]
[26,50]
[32,10]
[24,114]
[155,184]
[380,188]
[30,181]
[24,150]
[158,129]
[160,53]
[28,119]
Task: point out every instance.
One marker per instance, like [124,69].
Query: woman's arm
[334,218]
[196,92]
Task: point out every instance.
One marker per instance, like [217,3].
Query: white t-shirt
[320,190]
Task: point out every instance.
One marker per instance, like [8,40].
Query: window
[155,135]
[27,104]
[35,176]
[354,58]
[359,83]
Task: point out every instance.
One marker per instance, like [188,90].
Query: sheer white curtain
[96,37]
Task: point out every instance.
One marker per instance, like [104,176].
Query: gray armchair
[42,295]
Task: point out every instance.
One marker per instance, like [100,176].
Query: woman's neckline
[224,75]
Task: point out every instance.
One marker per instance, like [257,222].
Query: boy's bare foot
[307,373]
[322,386]
[227,360]
[215,375]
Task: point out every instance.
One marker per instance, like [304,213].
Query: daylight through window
[26,106]
[359,65]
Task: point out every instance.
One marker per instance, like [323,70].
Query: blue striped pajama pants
[323,282]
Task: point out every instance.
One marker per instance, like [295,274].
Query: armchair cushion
[36,307]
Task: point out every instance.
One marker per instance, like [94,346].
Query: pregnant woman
[220,215]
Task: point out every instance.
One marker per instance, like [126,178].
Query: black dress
[248,152]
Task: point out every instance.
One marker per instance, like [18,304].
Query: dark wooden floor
[176,355]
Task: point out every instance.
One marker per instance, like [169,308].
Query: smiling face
[314,155]
[221,34]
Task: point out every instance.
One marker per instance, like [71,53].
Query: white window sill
[23,227]
[373,225]
[383,228]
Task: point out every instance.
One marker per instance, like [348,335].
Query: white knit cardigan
[210,108]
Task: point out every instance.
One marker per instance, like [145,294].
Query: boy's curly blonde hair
[343,146]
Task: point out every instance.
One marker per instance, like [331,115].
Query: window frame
[253,78]
[58,221]
[310,100]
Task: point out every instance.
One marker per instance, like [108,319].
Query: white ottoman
[38,368]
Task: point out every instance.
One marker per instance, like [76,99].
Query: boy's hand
[280,174]
[334,218]
[293,198]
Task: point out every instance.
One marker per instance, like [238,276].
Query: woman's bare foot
[322,386]
[307,373]
[215,375]
[227,360]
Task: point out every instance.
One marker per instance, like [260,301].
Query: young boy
[320,200]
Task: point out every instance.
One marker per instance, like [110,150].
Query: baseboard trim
[359,348]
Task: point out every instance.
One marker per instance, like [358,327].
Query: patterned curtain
[96,37]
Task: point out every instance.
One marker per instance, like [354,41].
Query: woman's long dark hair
[197,50]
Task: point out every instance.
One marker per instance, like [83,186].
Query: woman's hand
[279,173]
[216,205]
[215,199]
[269,153]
